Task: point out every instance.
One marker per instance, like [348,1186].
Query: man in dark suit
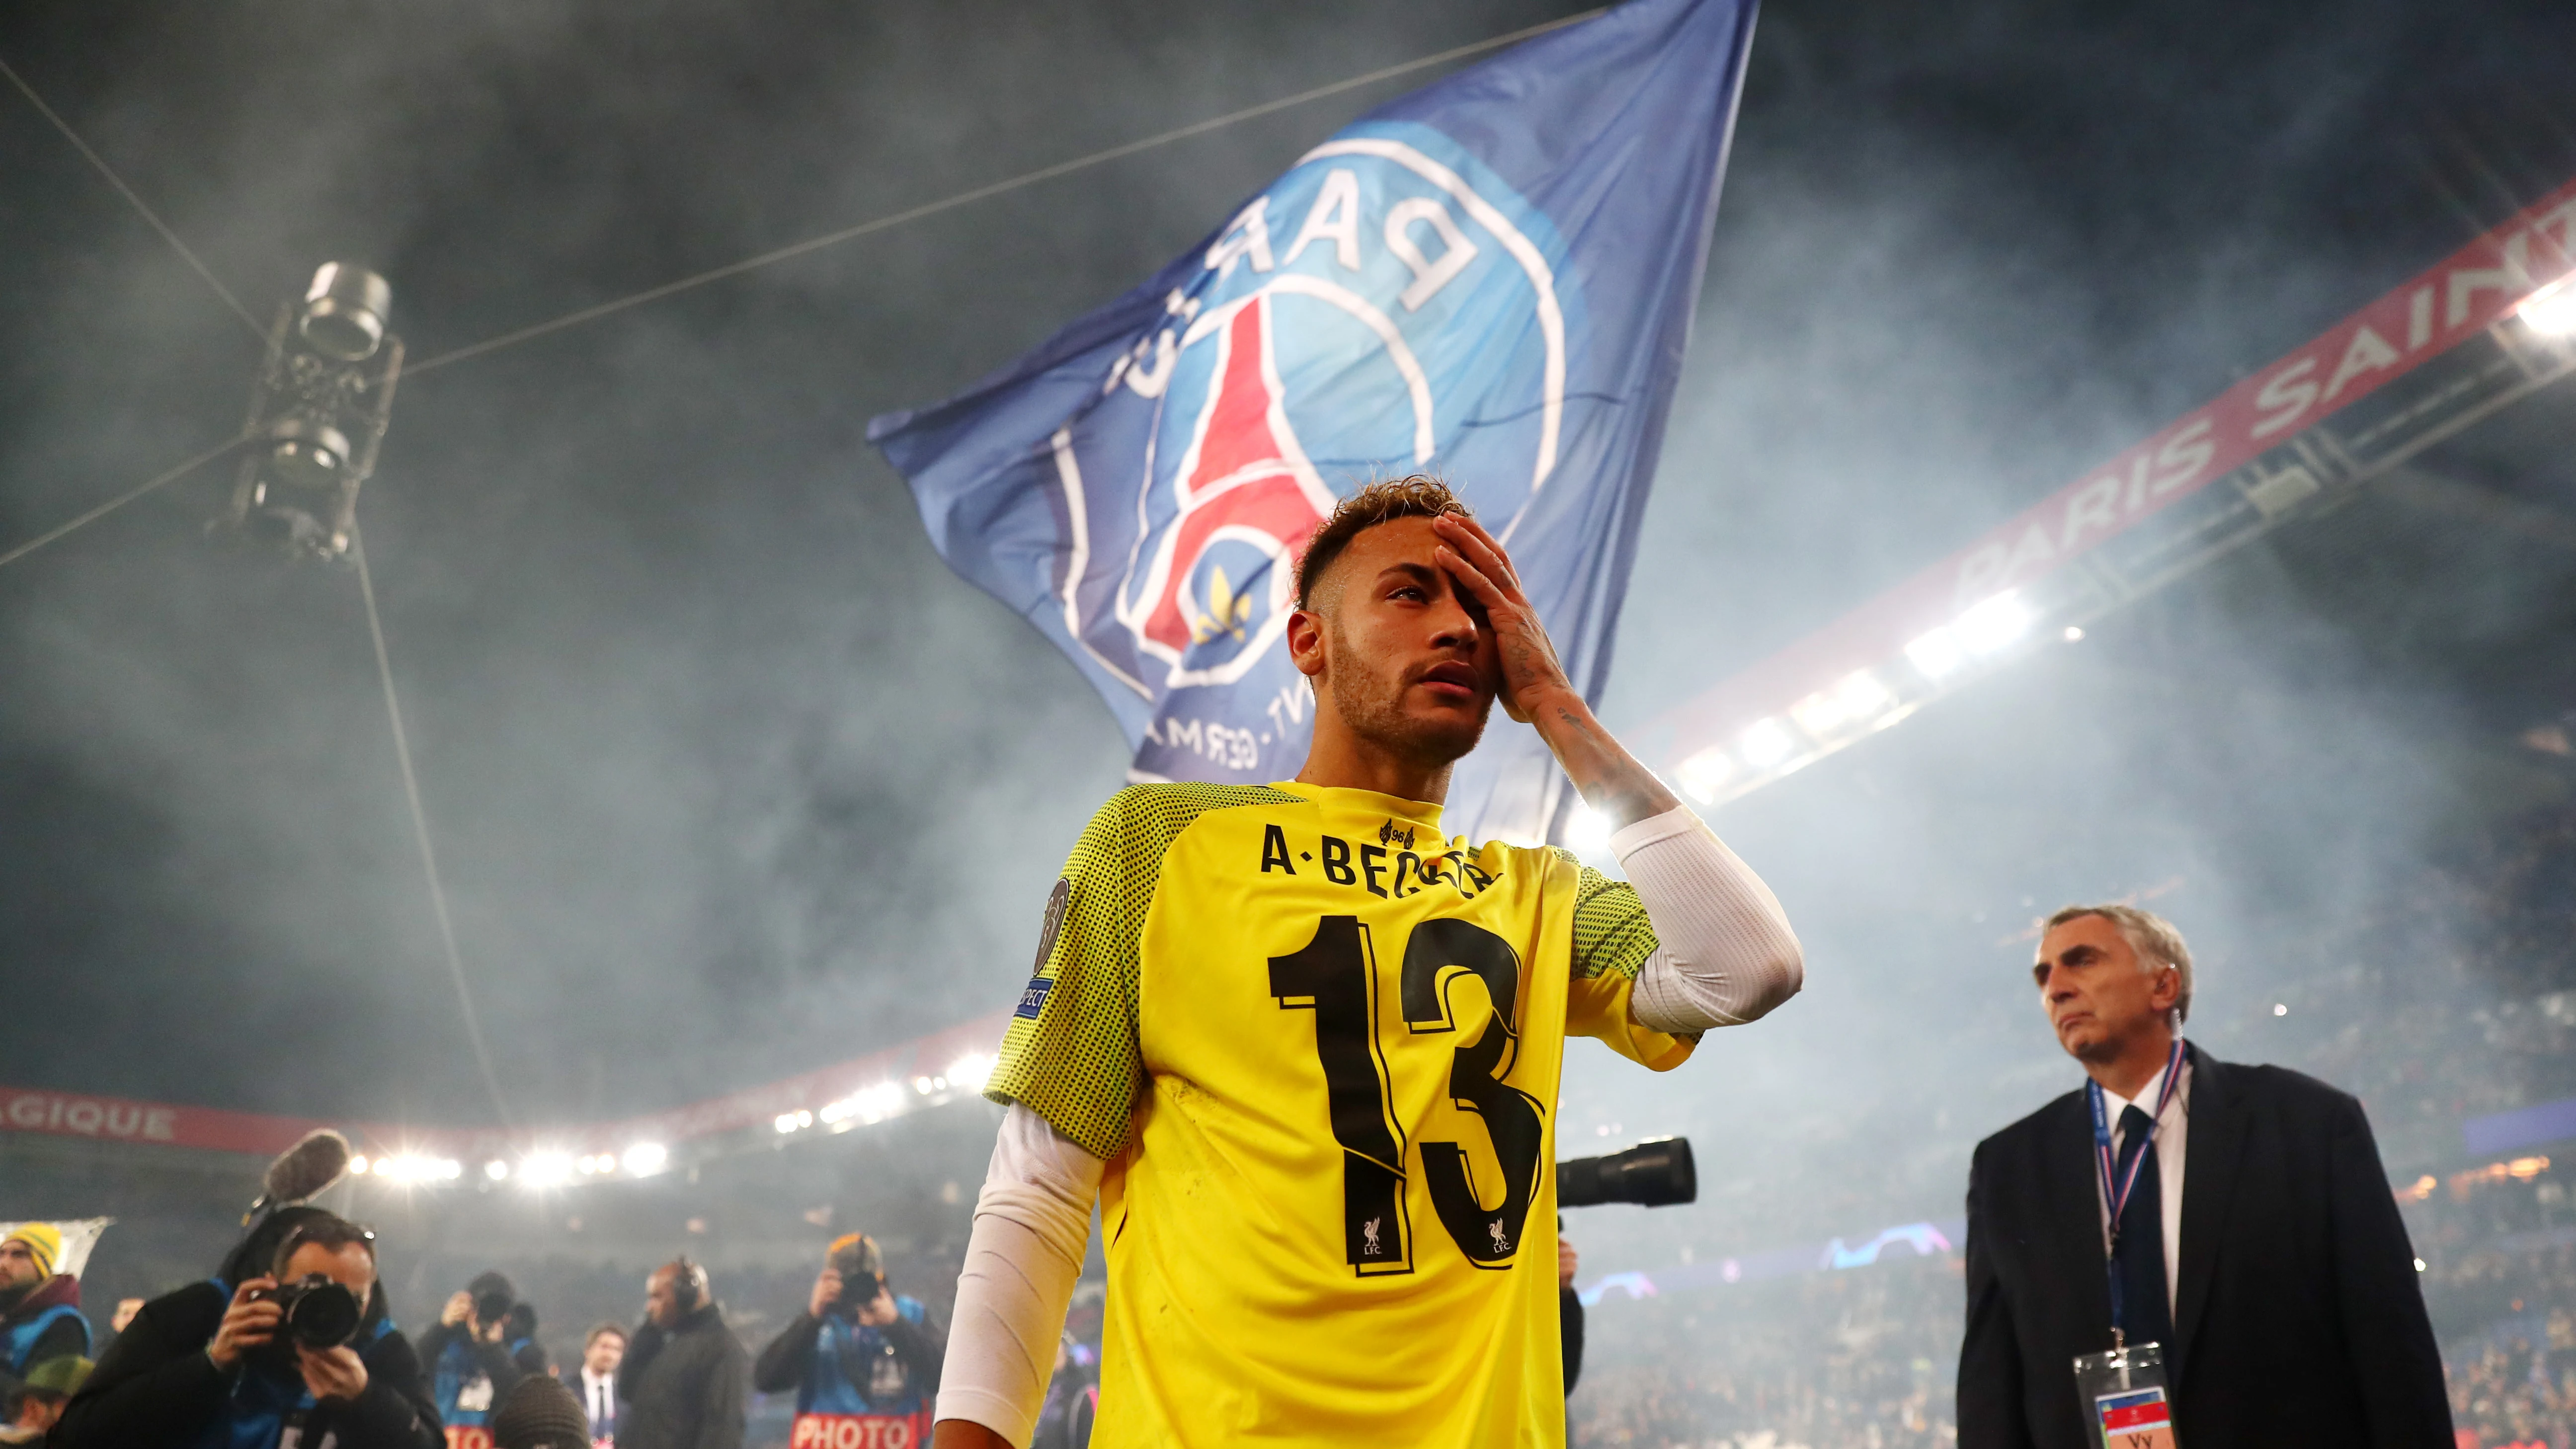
[2257,1239]
[595,1380]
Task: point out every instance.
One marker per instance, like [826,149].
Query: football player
[1303,1050]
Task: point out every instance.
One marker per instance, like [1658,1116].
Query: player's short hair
[2150,935]
[1417,496]
[603,1328]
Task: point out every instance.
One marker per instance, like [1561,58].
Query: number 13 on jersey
[1335,976]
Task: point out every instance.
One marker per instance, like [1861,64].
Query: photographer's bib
[861,1431]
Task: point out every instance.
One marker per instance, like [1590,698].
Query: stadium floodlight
[1766,742]
[318,410]
[646,1158]
[1587,831]
[785,1123]
[304,453]
[2551,311]
[1819,714]
[544,1169]
[497,1170]
[1704,772]
[358,1164]
[1858,699]
[971,1071]
[415,1167]
[343,315]
[868,1104]
[1993,624]
[1936,653]
[1862,697]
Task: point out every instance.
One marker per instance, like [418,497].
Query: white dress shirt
[2171,1130]
[599,1399]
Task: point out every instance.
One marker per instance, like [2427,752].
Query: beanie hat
[44,1243]
[63,1375]
[540,1413]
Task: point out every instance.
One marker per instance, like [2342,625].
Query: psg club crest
[1380,301]
[1490,280]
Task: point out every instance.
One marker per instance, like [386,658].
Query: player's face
[1408,662]
[2097,997]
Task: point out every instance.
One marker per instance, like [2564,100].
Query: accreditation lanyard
[2115,1193]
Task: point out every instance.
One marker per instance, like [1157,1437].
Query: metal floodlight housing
[306,453]
[344,312]
[317,417]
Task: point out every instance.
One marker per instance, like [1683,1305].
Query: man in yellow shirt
[1304,1051]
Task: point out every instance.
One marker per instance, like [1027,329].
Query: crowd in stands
[1859,1358]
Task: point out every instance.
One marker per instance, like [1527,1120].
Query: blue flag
[1491,280]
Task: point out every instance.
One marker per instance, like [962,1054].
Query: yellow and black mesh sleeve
[1612,939]
[1071,1053]
[1612,936]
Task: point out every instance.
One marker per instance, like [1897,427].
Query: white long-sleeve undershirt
[1724,953]
[1032,1226]
[1724,956]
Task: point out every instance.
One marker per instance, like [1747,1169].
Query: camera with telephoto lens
[1654,1173]
[862,1271]
[316,1311]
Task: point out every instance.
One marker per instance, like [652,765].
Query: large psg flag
[1491,279]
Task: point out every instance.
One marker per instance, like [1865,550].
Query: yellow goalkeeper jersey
[1319,1047]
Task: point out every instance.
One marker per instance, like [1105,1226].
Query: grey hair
[2150,935]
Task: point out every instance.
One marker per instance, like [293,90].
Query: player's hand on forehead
[1527,657]
[1464,540]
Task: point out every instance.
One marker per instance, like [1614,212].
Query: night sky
[730,778]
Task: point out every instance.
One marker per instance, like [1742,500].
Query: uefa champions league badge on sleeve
[2124,1396]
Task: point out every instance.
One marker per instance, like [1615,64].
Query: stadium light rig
[318,414]
[2551,311]
[2480,329]
[1986,634]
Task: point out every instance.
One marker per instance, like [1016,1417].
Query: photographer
[859,1348]
[475,1353]
[291,1335]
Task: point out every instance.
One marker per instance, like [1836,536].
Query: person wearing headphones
[684,1371]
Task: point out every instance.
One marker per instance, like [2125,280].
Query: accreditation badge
[2123,1392]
